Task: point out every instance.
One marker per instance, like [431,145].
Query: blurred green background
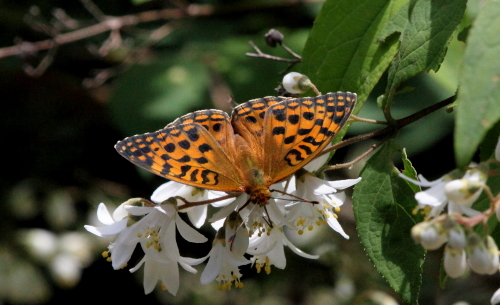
[59,128]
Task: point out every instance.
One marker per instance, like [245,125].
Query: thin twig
[348,164]
[93,9]
[355,118]
[260,54]
[392,128]
[109,24]
[291,52]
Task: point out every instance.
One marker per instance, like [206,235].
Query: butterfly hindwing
[296,130]
[186,153]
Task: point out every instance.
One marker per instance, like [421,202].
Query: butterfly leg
[189,204]
[301,199]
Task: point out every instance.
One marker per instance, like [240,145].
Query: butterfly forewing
[186,153]
[296,130]
[248,118]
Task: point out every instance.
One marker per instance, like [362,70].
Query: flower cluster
[246,233]
[451,219]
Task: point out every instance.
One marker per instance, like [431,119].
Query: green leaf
[383,204]
[409,171]
[342,51]
[487,148]
[426,29]
[478,102]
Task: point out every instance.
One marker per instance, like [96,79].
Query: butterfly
[263,142]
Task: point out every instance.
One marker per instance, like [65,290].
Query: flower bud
[456,237]
[454,261]
[296,83]
[493,250]
[429,234]
[273,37]
[462,191]
[483,257]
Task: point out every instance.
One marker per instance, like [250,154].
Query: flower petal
[151,275]
[214,264]
[103,214]
[335,225]
[165,191]
[189,233]
[170,277]
[198,215]
[110,230]
[298,251]
[342,184]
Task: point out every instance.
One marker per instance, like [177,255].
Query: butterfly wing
[296,130]
[188,152]
[247,120]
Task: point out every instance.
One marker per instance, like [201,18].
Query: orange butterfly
[264,141]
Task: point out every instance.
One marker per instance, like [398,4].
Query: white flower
[198,214]
[268,249]
[114,224]
[483,256]
[226,255]
[456,237]
[457,194]
[155,229]
[455,261]
[325,193]
[165,267]
[291,83]
[431,235]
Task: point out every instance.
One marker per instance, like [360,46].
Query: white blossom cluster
[247,233]
[450,221]
[250,234]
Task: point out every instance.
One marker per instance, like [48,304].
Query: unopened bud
[296,83]
[273,37]
[456,237]
[462,191]
[454,262]
[429,234]
[483,256]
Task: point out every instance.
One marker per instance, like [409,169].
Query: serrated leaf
[342,51]
[409,171]
[424,38]
[478,101]
[383,204]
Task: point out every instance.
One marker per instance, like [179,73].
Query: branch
[392,128]
[108,24]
